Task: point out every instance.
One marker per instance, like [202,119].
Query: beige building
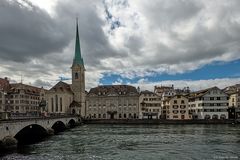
[112,102]
[64,98]
[234,99]
[211,103]
[149,105]
[59,98]
[22,98]
[177,107]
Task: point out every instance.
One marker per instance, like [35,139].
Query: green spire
[78,57]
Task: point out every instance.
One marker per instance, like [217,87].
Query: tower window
[76,75]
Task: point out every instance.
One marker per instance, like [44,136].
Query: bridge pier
[8,142]
[50,131]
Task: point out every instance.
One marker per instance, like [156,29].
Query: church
[66,98]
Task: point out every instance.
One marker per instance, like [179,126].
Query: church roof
[61,87]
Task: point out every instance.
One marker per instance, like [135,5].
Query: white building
[210,103]
[149,105]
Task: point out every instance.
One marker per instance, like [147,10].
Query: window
[182,101]
[175,106]
[130,115]
[76,75]
[120,115]
[175,102]
[56,102]
[183,106]
[183,111]
[99,115]
[134,115]
[52,104]
[211,98]
[60,104]
[175,111]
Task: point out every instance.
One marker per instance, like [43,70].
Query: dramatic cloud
[28,32]
[129,38]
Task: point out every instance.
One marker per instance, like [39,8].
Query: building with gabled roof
[177,107]
[59,98]
[211,103]
[21,99]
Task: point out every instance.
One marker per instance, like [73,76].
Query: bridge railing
[16,119]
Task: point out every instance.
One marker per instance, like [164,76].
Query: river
[136,142]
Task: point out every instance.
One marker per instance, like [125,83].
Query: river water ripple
[136,142]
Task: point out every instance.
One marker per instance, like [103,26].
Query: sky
[186,43]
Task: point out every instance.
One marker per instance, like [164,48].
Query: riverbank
[155,121]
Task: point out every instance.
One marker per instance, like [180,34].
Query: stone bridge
[35,129]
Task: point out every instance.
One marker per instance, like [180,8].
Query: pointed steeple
[78,57]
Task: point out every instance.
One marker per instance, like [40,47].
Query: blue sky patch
[210,71]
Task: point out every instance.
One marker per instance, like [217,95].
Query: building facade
[177,108]
[59,98]
[210,103]
[149,105]
[23,99]
[112,102]
[234,99]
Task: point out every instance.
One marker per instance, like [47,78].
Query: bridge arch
[31,134]
[71,123]
[58,126]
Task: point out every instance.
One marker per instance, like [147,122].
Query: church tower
[78,78]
